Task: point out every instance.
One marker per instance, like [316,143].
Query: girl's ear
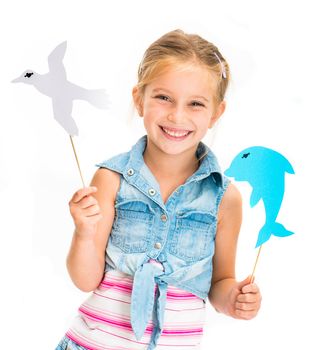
[137,100]
[218,113]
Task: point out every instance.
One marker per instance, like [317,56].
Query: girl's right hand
[85,211]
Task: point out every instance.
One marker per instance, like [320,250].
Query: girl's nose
[176,115]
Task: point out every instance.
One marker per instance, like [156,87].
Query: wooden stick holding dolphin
[55,85]
[264,169]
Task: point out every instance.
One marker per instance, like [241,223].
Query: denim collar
[208,165]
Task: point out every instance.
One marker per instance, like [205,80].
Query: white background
[277,99]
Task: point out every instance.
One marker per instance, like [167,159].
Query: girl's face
[178,107]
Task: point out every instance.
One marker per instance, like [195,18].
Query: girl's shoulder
[231,203]
[107,182]
[116,163]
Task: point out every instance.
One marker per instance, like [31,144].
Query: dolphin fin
[269,229]
[288,167]
[255,197]
[280,231]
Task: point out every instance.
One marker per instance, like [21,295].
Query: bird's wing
[62,111]
[55,60]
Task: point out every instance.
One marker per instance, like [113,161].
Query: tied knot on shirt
[146,299]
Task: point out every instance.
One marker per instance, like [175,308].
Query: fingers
[248,302]
[87,202]
[250,288]
[86,213]
[245,282]
[83,192]
[84,208]
[92,210]
[83,199]
[245,306]
[247,298]
[246,315]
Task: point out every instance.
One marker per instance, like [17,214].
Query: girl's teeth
[175,133]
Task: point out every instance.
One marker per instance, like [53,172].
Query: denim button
[130,172]
[152,192]
[163,217]
[157,245]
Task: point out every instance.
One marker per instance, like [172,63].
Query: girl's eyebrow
[200,97]
[161,90]
[156,90]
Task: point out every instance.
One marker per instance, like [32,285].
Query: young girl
[156,231]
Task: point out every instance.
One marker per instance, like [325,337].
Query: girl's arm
[237,299]
[93,211]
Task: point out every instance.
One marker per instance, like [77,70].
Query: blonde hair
[177,48]
[180,48]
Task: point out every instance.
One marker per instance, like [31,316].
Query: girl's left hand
[245,300]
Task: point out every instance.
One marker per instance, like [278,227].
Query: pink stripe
[80,341]
[127,290]
[115,323]
[118,288]
[196,308]
[175,332]
[92,310]
[99,311]
[86,344]
[182,295]
[93,345]
[128,286]
[136,342]
[127,325]
[103,296]
[116,285]
[121,337]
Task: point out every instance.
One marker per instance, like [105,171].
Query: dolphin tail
[269,229]
[97,98]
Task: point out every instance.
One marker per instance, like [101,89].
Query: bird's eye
[245,155]
[28,75]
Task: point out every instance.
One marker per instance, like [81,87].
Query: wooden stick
[79,168]
[255,264]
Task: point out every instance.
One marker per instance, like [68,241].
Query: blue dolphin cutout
[264,169]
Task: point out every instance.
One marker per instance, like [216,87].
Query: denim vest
[163,243]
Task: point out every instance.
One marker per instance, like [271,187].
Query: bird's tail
[97,98]
[272,228]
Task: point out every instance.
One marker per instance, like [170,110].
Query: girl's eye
[197,104]
[162,97]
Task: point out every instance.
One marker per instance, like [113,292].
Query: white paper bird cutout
[62,92]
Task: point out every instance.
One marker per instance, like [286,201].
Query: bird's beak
[17,80]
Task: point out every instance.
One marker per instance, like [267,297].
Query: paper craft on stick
[55,85]
[264,169]
[62,92]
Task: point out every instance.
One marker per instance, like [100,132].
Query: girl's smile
[178,107]
[175,134]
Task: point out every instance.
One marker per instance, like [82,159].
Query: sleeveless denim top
[178,236]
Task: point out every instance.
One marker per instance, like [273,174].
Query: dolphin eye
[28,75]
[245,155]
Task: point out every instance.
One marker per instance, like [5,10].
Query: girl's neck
[164,165]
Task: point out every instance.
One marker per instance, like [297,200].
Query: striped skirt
[104,323]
